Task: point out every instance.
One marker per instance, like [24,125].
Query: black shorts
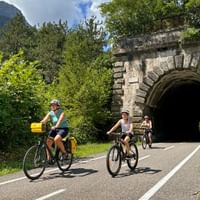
[126,134]
[58,131]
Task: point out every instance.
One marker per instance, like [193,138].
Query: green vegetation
[12,163]
[125,18]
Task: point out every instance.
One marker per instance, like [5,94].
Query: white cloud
[39,11]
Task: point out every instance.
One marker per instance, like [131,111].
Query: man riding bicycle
[147,125]
[59,128]
[126,128]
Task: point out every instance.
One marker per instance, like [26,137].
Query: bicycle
[116,155]
[35,159]
[145,139]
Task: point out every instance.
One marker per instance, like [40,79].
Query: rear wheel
[113,160]
[34,162]
[133,160]
[64,163]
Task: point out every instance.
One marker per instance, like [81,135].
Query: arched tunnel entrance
[177,113]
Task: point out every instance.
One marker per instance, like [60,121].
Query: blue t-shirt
[54,116]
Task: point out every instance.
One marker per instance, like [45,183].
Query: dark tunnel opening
[177,115]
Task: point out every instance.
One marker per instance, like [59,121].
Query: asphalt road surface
[168,171]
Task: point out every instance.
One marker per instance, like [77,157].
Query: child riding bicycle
[126,128]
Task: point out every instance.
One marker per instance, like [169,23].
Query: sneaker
[64,156]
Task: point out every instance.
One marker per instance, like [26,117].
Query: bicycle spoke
[34,162]
[113,160]
[133,160]
[64,163]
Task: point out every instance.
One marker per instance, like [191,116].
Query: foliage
[45,44]
[125,18]
[191,34]
[49,48]
[21,99]
[15,35]
[84,84]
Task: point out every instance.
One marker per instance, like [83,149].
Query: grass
[10,163]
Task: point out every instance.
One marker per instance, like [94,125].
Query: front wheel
[144,142]
[133,161]
[34,161]
[113,160]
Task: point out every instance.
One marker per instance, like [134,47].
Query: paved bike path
[89,179]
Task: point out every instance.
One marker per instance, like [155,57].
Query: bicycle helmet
[146,117]
[55,101]
[125,111]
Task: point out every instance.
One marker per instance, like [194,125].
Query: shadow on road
[157,147]
[146,170]
[72,173]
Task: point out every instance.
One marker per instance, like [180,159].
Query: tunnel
[177,113]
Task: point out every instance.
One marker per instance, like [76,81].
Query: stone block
[144,87]
[139,99]
[195,60]
[187,61]
[118,75]
[117,86]
[118,92]
[153,76]
[158,71]
[148,81]
[141,93]
[132,80]
[119,64]
[170,63]
[118,69]
[179,61]
[163,66]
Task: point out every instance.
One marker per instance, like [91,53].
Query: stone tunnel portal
[177,114]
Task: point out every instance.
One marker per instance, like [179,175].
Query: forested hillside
[7,12]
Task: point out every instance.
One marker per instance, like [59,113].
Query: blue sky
[72,11]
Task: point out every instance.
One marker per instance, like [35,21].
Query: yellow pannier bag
[73,143]
[38,127]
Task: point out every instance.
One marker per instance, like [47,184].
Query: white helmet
[125,111]
[55,101]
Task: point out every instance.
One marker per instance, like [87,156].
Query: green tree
[84,84]
[15,35]
[128,18]
[21,100]
[49,48]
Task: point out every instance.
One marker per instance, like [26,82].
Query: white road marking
[51,194]
[13,180]
[92,159]
[167,148]
[142,158]
[157,186]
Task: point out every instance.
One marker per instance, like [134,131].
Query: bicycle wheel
[113,160]
[133,161]
[34,162]
[64,164]
[144,142]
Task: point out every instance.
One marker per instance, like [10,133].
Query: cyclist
[147,125]
[59,128]
[126,128]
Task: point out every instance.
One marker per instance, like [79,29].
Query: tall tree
[15,35]
[84,84]
[49,48]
